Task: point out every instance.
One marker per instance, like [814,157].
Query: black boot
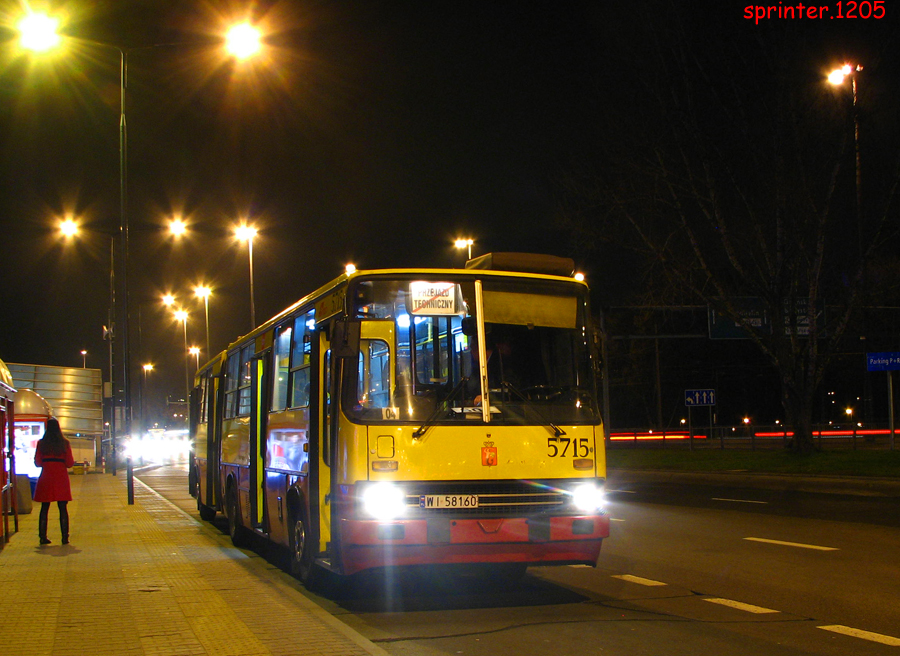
[42,529]
[64,521]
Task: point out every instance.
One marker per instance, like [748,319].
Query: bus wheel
[302,565]
[207,513]
[240,537]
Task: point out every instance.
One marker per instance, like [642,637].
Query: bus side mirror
[345,339]
[469,326]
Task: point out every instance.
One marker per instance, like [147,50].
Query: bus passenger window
[301,349]
[300,397]
[281,368]
[246,379]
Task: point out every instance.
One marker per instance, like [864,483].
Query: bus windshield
[419,359]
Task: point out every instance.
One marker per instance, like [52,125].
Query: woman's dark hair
[53,441]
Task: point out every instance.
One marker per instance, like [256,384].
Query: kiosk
[32,413]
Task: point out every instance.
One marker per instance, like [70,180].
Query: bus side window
[232,381]
[246,378]
[301,348]
[282,367]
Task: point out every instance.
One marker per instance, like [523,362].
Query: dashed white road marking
[623,491]
[638,580]
[750,608]
[794,544]
[740,500]
[865,635]
[614,519]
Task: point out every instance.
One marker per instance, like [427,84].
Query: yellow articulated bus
[412,417]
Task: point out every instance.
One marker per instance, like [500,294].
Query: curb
[851,485]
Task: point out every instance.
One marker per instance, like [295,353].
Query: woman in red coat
[54,456]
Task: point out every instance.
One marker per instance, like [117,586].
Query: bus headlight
[588,497]
[383,501]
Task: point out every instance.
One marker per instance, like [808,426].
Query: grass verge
[822,463]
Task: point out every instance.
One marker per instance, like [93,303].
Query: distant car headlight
[588,497]
[383,501]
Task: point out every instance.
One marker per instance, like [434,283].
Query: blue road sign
[700,397]
[885,361]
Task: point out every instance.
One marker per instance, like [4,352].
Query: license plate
[448,501]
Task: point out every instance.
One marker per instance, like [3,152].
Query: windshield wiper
[441,407]
[556,429]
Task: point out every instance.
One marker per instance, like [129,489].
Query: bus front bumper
[564,540]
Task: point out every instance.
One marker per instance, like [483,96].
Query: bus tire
[207,514]
[302,560]
[240,536]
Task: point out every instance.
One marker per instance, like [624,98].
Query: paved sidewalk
[149,579]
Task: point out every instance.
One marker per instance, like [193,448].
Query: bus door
[259,405]
[320,483]
[215,417]
[342,352]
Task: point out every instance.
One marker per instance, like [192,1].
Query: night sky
[372,132]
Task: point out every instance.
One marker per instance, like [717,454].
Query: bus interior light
[587,497]
[383,501]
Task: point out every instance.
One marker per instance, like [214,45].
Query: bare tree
[732,172]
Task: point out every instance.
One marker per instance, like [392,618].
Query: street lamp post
[195,351]
[203,292]
[143,423]
[465,243]
[182,316]
[837,77]
[246,233]
[69,229]
[83,359]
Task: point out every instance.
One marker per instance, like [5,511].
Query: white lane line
[739,500]
[750,608]
[613,519]
[623,491]
[793,544]
[637,579]
[865,635]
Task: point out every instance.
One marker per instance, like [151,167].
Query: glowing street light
[243,41]
[68,227]
[177,227]
[245,232]
[38,32]
[465,243]
[83,359]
